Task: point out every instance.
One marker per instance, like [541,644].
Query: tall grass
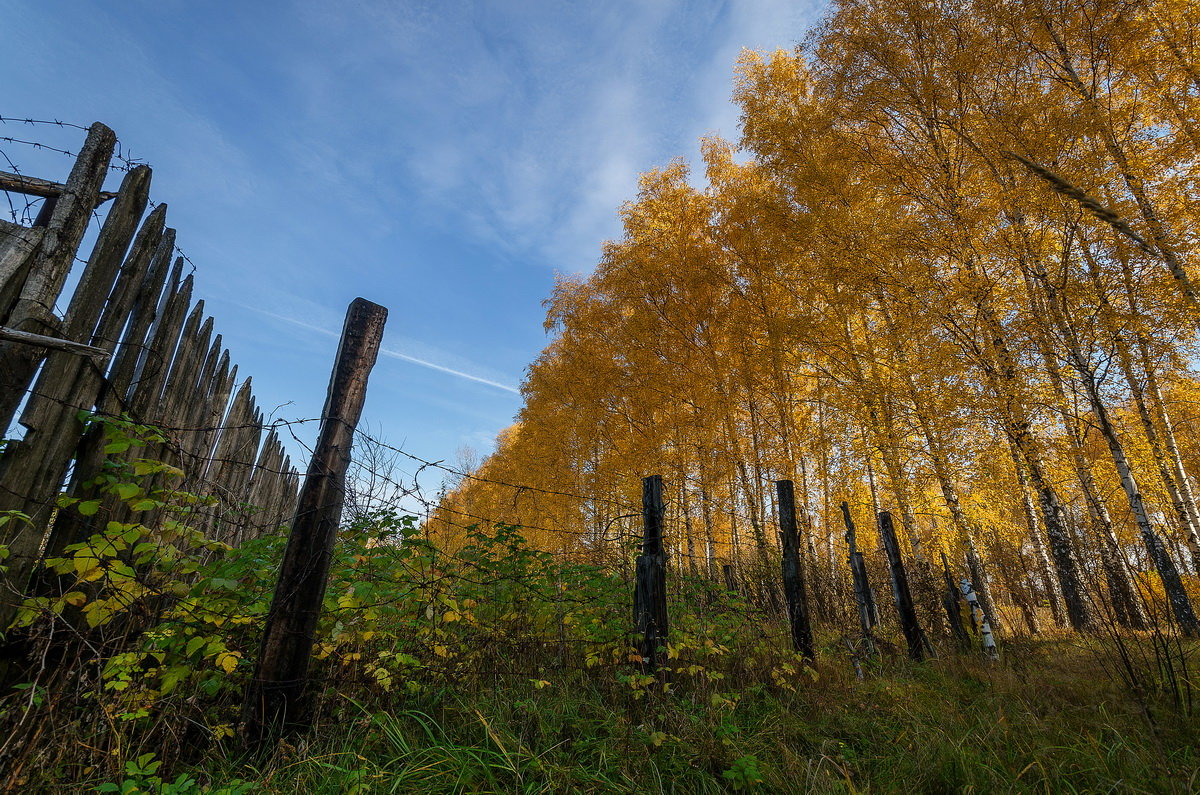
[1046,719]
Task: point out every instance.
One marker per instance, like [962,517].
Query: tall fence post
[650,589]
[275,700]
[900,592]
[793,575]
[868,613]
[952,602]
[727,575]
[48,267]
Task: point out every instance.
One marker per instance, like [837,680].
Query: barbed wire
[25,216]
[464,475]
[125,162]
[438,510]
[720,506]
[54,122]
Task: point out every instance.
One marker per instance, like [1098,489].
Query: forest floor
[1052,715]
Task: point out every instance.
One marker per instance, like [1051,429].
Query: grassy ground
[1049,716]
[411,701]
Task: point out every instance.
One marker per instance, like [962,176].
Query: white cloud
[523,125]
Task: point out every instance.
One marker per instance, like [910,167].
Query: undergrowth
[498,667]
[952,725]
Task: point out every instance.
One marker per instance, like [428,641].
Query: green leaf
[127,491]
[119,568]
[89,508]
[174,675]
[97,613]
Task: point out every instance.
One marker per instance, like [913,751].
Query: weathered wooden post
[952,602]
[793,575]
[727,574]
[34,286]
[650,590]
[900,592]
[275,700]
[868,613]
[32,469]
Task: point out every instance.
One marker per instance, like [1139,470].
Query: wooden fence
[131,342]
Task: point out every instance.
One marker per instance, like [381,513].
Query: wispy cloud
[440,368]
[556,110]
[440,158]
[389,352]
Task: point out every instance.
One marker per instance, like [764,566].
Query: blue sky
[443,159]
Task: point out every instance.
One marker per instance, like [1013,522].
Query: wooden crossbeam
[33,186]
[53,343]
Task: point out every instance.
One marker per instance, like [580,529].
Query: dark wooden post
[275,700]
[48,267]
[900,591]
[650,590]
[32,469]
[868,613]
[727,574]
[793,575]
[952,602]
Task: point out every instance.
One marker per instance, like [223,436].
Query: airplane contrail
[393,353]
